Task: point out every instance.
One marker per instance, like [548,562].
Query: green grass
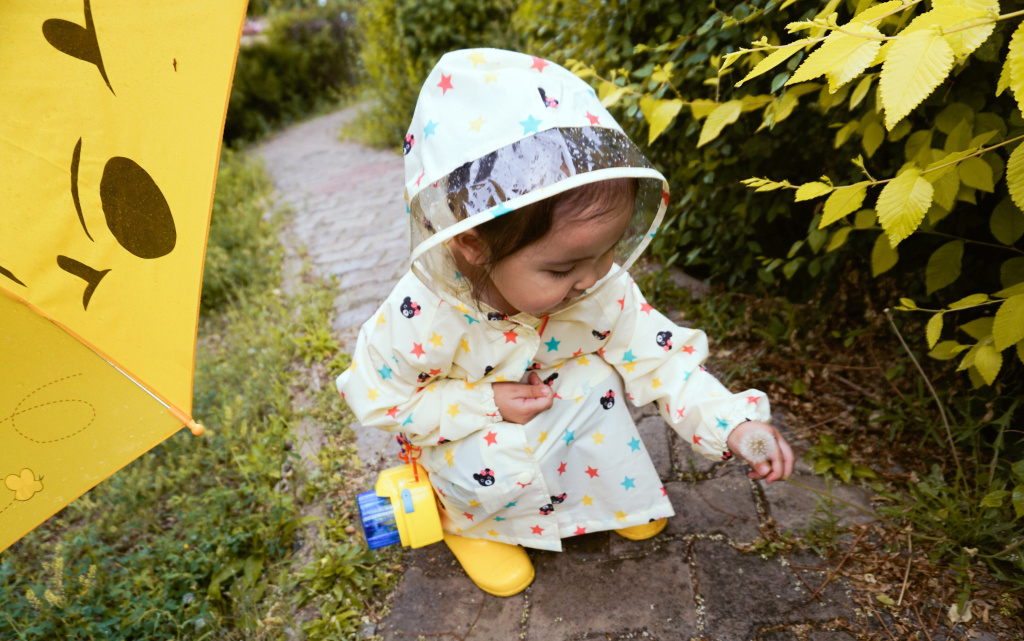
[197,539]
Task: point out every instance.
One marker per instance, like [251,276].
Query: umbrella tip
[196,428]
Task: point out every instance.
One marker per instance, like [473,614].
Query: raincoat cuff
[711,435]
[469,411]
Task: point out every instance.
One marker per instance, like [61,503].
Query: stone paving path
[690,582]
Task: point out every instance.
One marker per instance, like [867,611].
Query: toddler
[508,351]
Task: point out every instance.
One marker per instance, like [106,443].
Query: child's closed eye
[561,274]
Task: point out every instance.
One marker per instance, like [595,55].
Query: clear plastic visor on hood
[529,170]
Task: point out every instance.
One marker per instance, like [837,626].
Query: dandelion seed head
[756,446]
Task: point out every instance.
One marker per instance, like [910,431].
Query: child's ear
[470,246]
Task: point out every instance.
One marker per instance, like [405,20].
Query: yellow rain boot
[497,568]
[643,531]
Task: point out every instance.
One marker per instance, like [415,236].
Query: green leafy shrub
[674,75]
[305,59]
[401,42]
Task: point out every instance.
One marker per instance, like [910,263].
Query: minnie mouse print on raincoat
[495,130]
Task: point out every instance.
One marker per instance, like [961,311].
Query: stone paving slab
[742,594]
[689,582]
[574,598]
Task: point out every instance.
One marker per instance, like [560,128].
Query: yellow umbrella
[110,129]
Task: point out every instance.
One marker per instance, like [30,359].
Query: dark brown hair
[516,230]
[523,227]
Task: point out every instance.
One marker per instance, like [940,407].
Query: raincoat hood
[496,130]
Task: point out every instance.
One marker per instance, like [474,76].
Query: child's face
[570,259]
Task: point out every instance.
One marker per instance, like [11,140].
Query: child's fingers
[533,379]
[534,399]
[533,391]
[759,470]
[787,457]
[781,461]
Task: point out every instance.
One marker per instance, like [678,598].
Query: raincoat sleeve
[399,377]
[661,362]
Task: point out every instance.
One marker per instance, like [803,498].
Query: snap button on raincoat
[425,362]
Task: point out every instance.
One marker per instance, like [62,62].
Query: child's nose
[587,279]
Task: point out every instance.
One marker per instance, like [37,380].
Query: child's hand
[519,403]
[775,463]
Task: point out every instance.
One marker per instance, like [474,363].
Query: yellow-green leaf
[951,19]
[774,59]
[1011,291]
[1004,78]
[873,137]
[659,114]
[609,93]
[968,359]
[979,328]
[1007,222]
[960,137]
[860,92]
[872,14]
[940,168]
[1015,175]
[883,257]
[994,499]
[965,41]
[843,201]
[856,56]
[902,204]
[807,191]
[916,65]
[865,219]
[838,239]
[702,107]
[1015,63]
[724,114]
[988,361]
[1011,271]
[946,189]
[944,266]
[972,300]
[947,350]
[845,132]
[1008,327]
[841,57]
[934,329]
[664,74]
[764,184]
[918,146]
[789,100]
[984,6]
[976,173]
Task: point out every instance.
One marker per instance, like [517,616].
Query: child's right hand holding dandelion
[763,447]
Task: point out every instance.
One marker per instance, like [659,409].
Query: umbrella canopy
[110,129]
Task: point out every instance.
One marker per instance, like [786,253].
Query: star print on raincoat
[579,466]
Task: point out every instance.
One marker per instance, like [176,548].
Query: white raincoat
[495,130]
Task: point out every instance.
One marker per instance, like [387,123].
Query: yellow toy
[402,507]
